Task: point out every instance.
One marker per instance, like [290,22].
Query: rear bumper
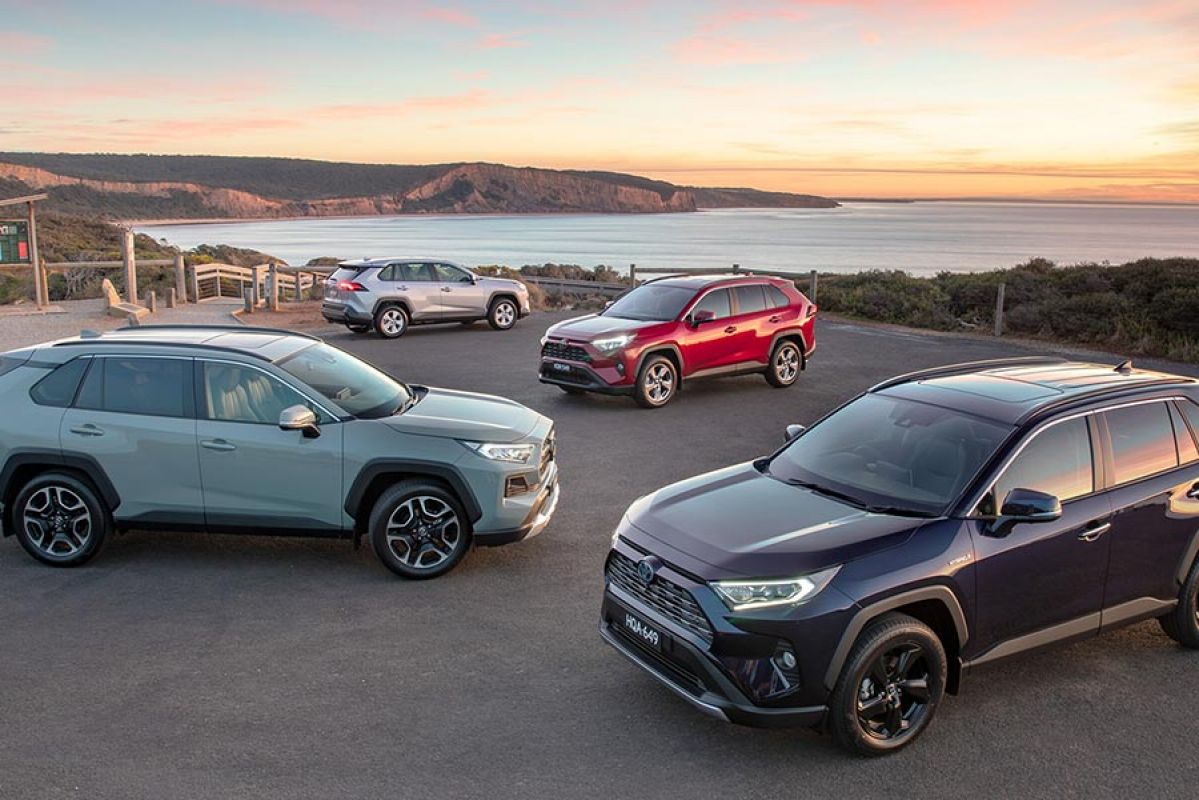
[578,376]
[692,675]
[341,315]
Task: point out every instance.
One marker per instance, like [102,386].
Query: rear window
[776,296]
[152,386]
[750,299]
[346,274]
[59,387]
[1188,424]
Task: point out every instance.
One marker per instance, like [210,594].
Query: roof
[704,281]
[267,344]
[1016,390]
[382,262]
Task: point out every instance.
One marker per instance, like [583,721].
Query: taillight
[811,312]
[351,286]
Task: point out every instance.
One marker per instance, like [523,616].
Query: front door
[461,297]
[1044,575]
[134,415]
[257,476]
[711,345]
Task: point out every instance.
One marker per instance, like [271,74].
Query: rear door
[416,284]
[255,474]
[753,320]
[135,416]
[461,297]
[1153,466]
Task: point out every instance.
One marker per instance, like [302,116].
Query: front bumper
[540,515]
[579,376]
[692,674]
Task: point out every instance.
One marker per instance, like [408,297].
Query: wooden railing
[212,281]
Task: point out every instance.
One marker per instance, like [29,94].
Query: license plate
[643,632]
[560,367]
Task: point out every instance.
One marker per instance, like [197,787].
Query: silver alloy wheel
[423,532]
[786,363]
[392,322]
[57,522]
[505,314]
[659,383]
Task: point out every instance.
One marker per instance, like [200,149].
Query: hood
[466,415]
[501,282]
[738,522]
[593,326]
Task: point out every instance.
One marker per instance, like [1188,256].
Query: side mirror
[299,418]
[700,317]
[1025,505]
[793,432]
[608,304]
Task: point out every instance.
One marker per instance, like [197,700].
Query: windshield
[653,301]
[885,453]
[354,385]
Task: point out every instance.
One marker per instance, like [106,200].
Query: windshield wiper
[899,511]
[833,493]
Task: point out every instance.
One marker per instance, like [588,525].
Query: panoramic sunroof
[996,388]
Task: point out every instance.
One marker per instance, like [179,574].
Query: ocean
[922,238]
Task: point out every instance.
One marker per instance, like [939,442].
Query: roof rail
[968,366]
[1103,391]
[153,343]
[235,328]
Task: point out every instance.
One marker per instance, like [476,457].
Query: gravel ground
[20,330]
[191,666]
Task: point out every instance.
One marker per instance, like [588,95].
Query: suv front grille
[549,449]
[665,597]
[564,351]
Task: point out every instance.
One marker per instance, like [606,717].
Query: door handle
[1093,531]
[1194,492]
[731,329]
[446,289]
[403,288]
[776,320]
[87,429]
[218,444]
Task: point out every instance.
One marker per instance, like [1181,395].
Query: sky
[1073,99]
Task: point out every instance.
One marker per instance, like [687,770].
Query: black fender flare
[393,301]
[654,350]
[416,468]
[937,593]
[38,457]
[500,293]
[787,334]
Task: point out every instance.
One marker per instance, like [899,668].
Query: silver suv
[258,431]
[389,294]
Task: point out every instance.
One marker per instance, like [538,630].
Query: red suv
[671,329]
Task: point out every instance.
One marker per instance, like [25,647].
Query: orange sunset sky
[1074,99]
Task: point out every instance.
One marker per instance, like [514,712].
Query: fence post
[172,297]
[41,284]
[999,311]
[255,291]
[736,268]
[195,292]
[152,301]
[130,266]
[813,281]
[247,297]
[180,277]
[633,274]
[273,297]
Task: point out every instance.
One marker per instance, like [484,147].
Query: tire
[657,382]
[503,313]
[786,362]
[391,322]
[1182,624]
[419,530]
[575,390]
[882,702]
[355,327]
[60,520]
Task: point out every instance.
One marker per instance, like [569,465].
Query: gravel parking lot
[189,666]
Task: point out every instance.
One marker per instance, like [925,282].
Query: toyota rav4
[253,430]
[940,521]
[669,330]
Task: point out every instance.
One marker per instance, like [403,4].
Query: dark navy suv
[939,521]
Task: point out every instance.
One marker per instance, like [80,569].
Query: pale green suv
[259,431]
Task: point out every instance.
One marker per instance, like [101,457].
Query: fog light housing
[769,678]
[517,485]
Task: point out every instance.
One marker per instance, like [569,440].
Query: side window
[717,302]
[1057,461]
[750,299]
[1190,414]
[1187,450]
[414,273]
[776,297]
[155,387]
[447,273]
[242,394]
[59,387]
[389,273]
[1142,441]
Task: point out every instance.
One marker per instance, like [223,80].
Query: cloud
[498,41]
[366,14]
[714,50]
[22,43]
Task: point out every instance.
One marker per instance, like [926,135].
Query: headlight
[511,453]
[612,343]
[745,595]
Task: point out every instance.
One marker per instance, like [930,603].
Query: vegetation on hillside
[1149,307]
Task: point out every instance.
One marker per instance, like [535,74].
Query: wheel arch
[24,465]
[669,350]
[796,335]
[384,302]
[375,476]
[935,606]
[503,294]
